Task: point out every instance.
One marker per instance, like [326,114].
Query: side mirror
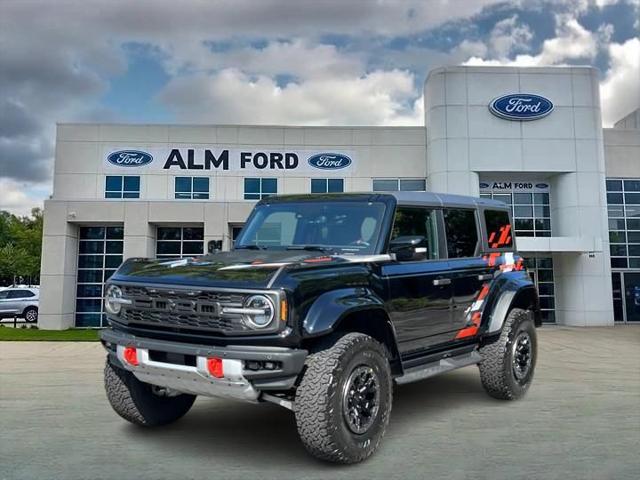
[407,247]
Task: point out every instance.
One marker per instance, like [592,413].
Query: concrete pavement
[580,420]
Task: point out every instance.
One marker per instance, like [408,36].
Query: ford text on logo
[329,161]
[130,158]
[521,106]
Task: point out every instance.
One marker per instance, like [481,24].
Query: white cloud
[620,90]
[508,36]
[20,197]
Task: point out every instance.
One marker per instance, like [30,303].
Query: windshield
[328,226]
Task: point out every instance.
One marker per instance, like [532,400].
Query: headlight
[258,311]
[113,300]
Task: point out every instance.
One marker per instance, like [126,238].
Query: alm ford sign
[130,158]
[329,161]
[521,106]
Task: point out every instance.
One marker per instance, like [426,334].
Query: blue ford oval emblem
[521,106]
[484,185]
[329,161]
[542,185]
[130,158]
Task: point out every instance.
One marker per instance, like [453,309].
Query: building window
[258,188]
[192,188]
[399,185]
[178,242]
[541,271]
[530,210]
[99,255]
[122,186]
[235,231]
[327,185]
[623,205]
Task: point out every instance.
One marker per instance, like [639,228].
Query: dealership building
[531,137]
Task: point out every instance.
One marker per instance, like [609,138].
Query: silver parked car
[20,301]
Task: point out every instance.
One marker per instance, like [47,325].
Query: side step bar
[420,372]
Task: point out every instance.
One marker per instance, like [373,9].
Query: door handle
[485,276]
[442,281]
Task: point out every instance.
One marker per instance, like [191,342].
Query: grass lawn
[33,335]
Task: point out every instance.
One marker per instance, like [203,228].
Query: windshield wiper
[313,248]
[249,247]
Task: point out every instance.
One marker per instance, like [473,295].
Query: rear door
[419,299]
[7,302]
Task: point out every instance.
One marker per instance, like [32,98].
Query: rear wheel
[343,402]
[508,363]
[30,314]
[141,403]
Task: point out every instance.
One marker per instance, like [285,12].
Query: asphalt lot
[580,420]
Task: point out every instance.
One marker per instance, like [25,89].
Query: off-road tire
[28,314]
[135,401]
[496,368]
[318,405]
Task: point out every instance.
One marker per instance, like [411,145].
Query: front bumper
[238,382]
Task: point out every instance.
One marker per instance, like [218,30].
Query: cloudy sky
[312,62]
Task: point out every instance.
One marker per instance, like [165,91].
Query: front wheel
[343,402]
[30,314]
[141,403]
[508,363]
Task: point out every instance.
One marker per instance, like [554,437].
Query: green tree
[20,246]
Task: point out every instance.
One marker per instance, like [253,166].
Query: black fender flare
[516,295]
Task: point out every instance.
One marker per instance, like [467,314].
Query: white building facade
[175,190]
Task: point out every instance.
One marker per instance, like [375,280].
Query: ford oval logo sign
[329,161]
[521,106]
[130,158]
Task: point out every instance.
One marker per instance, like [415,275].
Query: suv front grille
[184,309]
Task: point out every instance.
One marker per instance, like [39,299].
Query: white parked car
[20,301]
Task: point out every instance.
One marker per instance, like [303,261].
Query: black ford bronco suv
[324,303]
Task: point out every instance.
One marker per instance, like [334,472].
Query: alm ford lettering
[130,158]
[521,106]
[329,161]
[209,161]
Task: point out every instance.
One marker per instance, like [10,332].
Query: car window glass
[412,221]
[461,231]
[4,294]
[498,228]
[20,294]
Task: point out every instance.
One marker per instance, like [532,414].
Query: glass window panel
[193,233]
[548,316]
[131,195]
[385,185]
[318,185]
[541,211]
[411,185]
[541,198]
[633,237]
[614,212]
[183,196]
[545,275]
[632,198]
[634,263]
[89,291]
[523,211]
[335,185]
[543,224]
[131,184]
[632,185]
[183,184]
[89,276]
[485,195]
[616,224]
[88,320]
[112,261]
[252,196]
[543,233]
[614,198]
[269,185]
[524,224]
[633,224]
[632,211]
[91,247]
[547,303]
[614,185]
[527,233]
[530,262]
[168,248]
[522,198]
[113,183]
[544,262]
[201,184]
[634,250]
[251,185]
[169,233]
[108,273]
[193,248]
[89,305]
[617,237]
[545,288]
[461,232]
[618,263]
[90,261]
[114,246]
[115,233]
[200,196]
[618,250]
[505,198]
[113,195]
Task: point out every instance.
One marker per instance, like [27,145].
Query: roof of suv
[403,198]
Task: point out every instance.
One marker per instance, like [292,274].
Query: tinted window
[21,294]
[4,294]
[498,228]
[411,222]
[462,234]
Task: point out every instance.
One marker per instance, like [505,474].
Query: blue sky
[331,62]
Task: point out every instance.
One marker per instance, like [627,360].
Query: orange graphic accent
[318,260]
[503,239]
[471,330]
[492,236]
[483,292]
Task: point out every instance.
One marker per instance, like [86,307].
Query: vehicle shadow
[267,434]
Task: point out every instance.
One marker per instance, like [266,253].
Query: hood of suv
[240,268]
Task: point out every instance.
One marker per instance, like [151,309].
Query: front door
[632,296]
[419,298]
